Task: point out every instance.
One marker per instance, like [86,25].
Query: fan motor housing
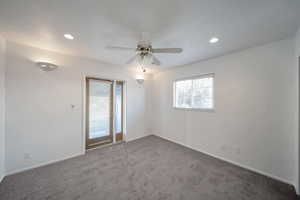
[144,49]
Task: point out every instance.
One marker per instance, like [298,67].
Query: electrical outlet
[238,150]
[225,148]
[27,156]
[231,150]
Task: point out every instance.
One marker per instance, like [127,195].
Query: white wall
[298,66]
[255,108]
[298,42]
[41,125]
[2,108]
[255,120]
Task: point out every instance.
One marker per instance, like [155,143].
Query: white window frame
[210,75]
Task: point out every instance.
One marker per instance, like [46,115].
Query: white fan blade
[167,50]
[155,60]
[131,59]
[120,48]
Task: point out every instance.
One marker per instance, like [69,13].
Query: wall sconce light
[140,78]
[46,66]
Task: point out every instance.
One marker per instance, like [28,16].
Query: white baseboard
[57,160]
[136,138]
[196,149]
[232,162]
[42,164]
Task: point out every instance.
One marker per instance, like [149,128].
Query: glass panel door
[99,112]
[119,111]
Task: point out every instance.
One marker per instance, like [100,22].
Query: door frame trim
[122,111]
[83,110]
[98,141]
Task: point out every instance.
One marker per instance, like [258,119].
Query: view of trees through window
[194,93]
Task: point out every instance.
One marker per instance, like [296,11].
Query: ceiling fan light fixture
[145,53]
[145,60]
[214,40]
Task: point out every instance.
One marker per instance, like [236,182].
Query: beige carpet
[147,169]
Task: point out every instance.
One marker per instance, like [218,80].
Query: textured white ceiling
[171,23]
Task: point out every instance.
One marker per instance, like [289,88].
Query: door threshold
[104,145]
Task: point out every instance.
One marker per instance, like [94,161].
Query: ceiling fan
[144,53]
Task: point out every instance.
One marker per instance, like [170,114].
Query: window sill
[196,109]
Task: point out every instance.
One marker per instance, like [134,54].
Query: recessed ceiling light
[214,40]
[69,36]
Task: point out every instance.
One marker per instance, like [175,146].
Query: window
[194,93]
